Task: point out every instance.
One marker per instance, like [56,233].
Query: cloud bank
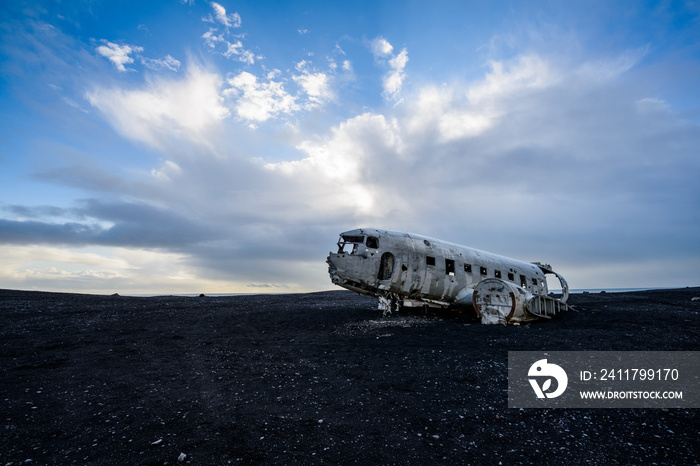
[249,174]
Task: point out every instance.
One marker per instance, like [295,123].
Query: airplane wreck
[407,270]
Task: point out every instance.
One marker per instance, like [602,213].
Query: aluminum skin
[408,270]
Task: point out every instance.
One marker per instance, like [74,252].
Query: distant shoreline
[622,290]
[554,290]
[218,295]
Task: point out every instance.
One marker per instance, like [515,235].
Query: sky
[171,147]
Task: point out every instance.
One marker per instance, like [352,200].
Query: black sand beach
[316,378]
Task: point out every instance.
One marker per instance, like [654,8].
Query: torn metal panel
[407,270]
[498,302]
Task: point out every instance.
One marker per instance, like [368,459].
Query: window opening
[483,271]
[372,242]
[347,248]
[523,281]
[468,268]
[497,273]
[449,267]
[429,260]
[511,277]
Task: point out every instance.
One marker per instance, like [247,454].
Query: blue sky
[220,147]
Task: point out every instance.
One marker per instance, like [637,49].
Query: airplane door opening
[386,266]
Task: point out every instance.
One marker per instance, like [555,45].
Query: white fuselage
[414,270]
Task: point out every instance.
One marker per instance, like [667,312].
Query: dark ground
[316,378]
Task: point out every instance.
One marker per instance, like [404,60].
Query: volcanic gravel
[317,378]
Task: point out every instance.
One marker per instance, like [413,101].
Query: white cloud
[44,254]
[381,47]
[104,270]
[220,16]
[231,49]
[611,68]
[459,124]
[158,64]
[302,66]
[650,106]
[470,109]
[521,146]
[531,142]
[118,54]
[334,176]
[316,86]
[392,81]
[165,109]
[167,171]
[259,101]
[211,38]
[236,48]
[513,77]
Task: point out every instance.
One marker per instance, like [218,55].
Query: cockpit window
[349,244]
[372,242]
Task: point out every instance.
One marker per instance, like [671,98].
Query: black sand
[316,378]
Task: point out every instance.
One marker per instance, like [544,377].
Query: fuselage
[416,270]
